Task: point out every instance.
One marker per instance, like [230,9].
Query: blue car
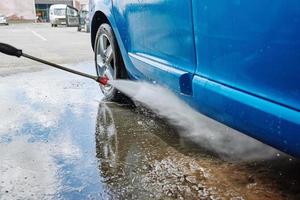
[235,61]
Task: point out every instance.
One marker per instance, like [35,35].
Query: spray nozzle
[103,80]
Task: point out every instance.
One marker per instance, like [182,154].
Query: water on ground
[59,140]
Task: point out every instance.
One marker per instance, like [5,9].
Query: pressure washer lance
[13,51]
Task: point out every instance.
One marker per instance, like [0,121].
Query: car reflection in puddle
[142,157]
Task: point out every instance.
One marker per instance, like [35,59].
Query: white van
[57,14]
[61,14]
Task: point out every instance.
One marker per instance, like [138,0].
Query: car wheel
[109,62]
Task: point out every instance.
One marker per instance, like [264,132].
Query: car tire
[109,62]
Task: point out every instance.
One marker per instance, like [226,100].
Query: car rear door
[251,46]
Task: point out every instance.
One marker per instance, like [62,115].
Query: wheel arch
[98,19]
[105,15]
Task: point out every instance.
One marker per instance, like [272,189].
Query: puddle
[144,158]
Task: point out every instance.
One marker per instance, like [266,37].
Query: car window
[60,11]
[72,12]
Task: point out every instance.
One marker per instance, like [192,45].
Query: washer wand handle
[10,50]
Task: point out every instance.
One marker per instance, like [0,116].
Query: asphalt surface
[60,140]
[61,45]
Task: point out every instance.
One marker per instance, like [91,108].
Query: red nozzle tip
[103,80]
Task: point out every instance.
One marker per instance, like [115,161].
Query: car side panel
[258,117]
[266,121]
[248,73]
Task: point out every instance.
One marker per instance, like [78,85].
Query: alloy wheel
[106,61]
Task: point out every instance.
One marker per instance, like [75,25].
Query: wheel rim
[105,61]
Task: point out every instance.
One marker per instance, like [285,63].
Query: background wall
[18,9]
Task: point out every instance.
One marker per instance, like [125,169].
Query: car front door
[158,36]
[72,16]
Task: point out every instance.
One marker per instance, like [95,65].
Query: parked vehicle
[3,19]
[237,62]
[57,14]
[61,14]
[84,22]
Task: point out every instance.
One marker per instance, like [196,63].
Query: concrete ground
[61,45]
[60,140]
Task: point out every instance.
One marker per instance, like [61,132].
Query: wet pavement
[59,140]
[58,45]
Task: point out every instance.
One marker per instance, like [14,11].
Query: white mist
[208,133]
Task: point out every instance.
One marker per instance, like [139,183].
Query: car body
[237,62]
[3,19]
